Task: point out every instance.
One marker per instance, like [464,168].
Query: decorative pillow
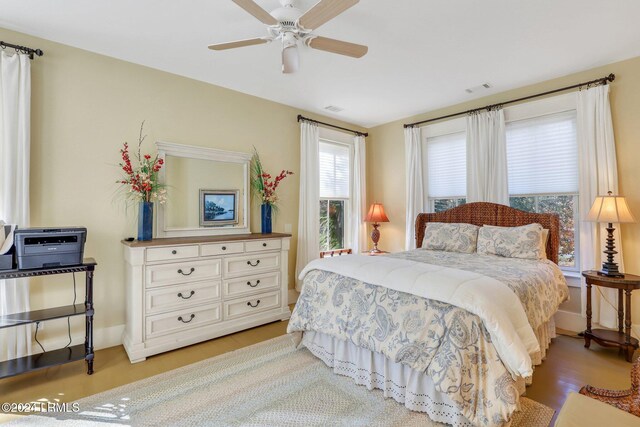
[450,237]
[512,242]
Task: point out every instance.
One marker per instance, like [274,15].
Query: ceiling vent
[477,89]
[333,108]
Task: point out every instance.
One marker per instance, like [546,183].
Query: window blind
[542,154]
[334,170]
[447,165]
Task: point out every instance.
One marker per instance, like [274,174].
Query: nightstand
[622,337]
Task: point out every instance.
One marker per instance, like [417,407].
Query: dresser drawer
[181,320]
[181,272]
[262,245]
[250,284]
[250,305]
[251,263]
[222,249]
[179,296]
[170,253]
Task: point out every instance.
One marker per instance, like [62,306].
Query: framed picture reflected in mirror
[218,207]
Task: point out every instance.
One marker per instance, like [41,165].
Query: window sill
[574,278]
[571,273]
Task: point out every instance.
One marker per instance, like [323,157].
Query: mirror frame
[213,154]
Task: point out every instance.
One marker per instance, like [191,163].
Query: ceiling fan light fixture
[291,25]
[290,59]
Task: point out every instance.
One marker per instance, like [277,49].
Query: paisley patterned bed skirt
[413,389]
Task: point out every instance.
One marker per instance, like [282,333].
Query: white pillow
[524,242]
[450,237]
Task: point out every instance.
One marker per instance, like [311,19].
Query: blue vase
[266,218]
[145,221]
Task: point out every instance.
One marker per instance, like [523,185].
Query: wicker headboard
[483,213]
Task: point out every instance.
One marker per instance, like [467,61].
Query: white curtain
[358,209]
[598,174]
[309,211]
[487,158]
[15,95]
[415,191]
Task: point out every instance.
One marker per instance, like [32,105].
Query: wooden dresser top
[202,239]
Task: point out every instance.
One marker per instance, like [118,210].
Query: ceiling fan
[291,25]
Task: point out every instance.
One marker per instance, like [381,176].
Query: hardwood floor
[568,367]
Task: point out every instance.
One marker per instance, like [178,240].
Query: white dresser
[184,290]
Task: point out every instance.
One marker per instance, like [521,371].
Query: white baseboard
[293,296]
[102,338]
[570,321]
[574,322]
[108,337]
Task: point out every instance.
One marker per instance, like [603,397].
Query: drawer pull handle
[254,306]
[174,252]
[253,265]
[264,245]
[190,295]
[224,248]
[187,321]
[253,286]
[186,274]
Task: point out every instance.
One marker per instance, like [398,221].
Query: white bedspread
[492,301]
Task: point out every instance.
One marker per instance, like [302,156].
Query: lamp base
[608,271]
[610,267]
[375,237]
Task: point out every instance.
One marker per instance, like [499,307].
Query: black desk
[60,356]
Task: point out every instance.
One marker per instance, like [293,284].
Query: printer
[49,247]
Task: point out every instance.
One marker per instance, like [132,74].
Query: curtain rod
[306,119]
[22,49]
[600,81]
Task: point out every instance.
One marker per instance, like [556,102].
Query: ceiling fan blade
[262,15]
[323,11]
[238,43]
[337,46]
[290,59]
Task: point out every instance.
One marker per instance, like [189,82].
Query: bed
[455,335]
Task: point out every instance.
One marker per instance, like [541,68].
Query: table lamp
[376,215]
[610,209]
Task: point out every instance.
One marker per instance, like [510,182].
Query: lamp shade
[610,209]
[376,214]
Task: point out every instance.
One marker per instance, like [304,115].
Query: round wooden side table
[610,338]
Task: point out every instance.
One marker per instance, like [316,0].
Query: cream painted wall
[386,156]
[84,106]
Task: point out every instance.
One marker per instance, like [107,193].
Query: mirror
[207,191]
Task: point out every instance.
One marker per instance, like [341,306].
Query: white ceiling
[423,54]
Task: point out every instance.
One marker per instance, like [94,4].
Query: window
[542,159]
[446,157]
[335,184]
[542,156]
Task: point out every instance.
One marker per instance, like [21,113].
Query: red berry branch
[142,181]
[263,184]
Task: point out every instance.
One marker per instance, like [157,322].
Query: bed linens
[525,242]
[450,237]
[449,344]
[496,305]
[539,284]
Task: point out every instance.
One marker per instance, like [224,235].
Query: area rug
[267,384]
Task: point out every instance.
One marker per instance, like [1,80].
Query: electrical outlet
[288,228]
